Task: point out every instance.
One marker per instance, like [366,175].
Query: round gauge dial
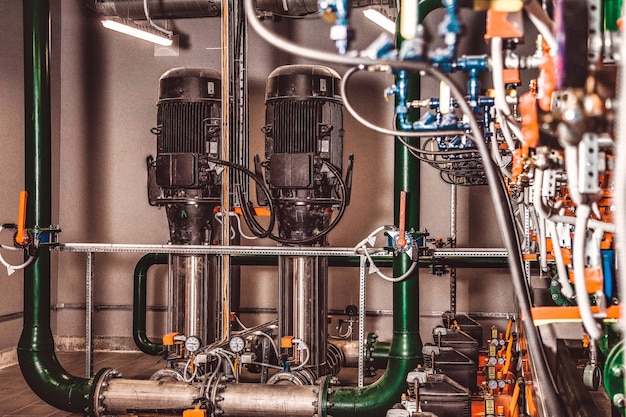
[237,344]
[192,344]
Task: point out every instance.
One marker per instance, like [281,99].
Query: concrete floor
[16,398]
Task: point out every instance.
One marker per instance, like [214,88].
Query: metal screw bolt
[619,400]
[618,371]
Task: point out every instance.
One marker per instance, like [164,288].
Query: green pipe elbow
[47,378]
[140,303]
[374,400]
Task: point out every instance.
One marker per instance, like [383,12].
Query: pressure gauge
[192,344]
[237,344]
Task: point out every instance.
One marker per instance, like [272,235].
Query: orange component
[21,238]
[586,342]
[594,279]
[258,211]
[567,256]
[518,164]
[511,76]
[551,314]
[168,339]
[401,240]
[546,82]
[531,406]
[286,342]
[196,412]
[504,24]
[530,120]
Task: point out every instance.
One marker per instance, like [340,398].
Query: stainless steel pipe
[194,296]
[121,396]
[256,400]
[303,305]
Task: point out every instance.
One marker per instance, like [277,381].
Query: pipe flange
[101,385]
[217,387]
[299,377]
[167,373]
[323,391]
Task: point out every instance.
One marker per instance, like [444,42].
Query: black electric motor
[304,149]
[181,178]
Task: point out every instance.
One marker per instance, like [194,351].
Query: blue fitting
[608,262]
[339,32]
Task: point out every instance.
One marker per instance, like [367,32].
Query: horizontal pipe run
[124,396]
[11,316]
[377,356]
[256,400]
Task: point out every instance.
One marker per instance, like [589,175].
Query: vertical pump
[303,150]
[182,180]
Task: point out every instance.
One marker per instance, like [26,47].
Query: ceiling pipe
[159,9]
[181,9]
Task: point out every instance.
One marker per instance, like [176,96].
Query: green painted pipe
[35,350]
[139,302]
[405,351]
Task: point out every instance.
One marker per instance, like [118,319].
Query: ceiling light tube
[380,19]
[142,32]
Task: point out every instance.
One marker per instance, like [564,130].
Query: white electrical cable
[373,268]
[12,268]
[387,277]
[540,19]
[566,288]
[243,326]
[186,370]
[218,216]
[236,216]
[578,258]
[305,347]
[506,130]
[260,333]
[154,25]
[497,70]
[495,151]
[537,201]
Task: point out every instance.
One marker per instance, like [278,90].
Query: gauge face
[192,344]
[237,344]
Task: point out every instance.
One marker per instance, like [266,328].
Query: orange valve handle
[402,226]
[21,238]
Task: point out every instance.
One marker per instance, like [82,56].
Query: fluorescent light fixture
[380,19]
[146,33]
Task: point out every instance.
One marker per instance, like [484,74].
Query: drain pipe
[35,350]
[139,302]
